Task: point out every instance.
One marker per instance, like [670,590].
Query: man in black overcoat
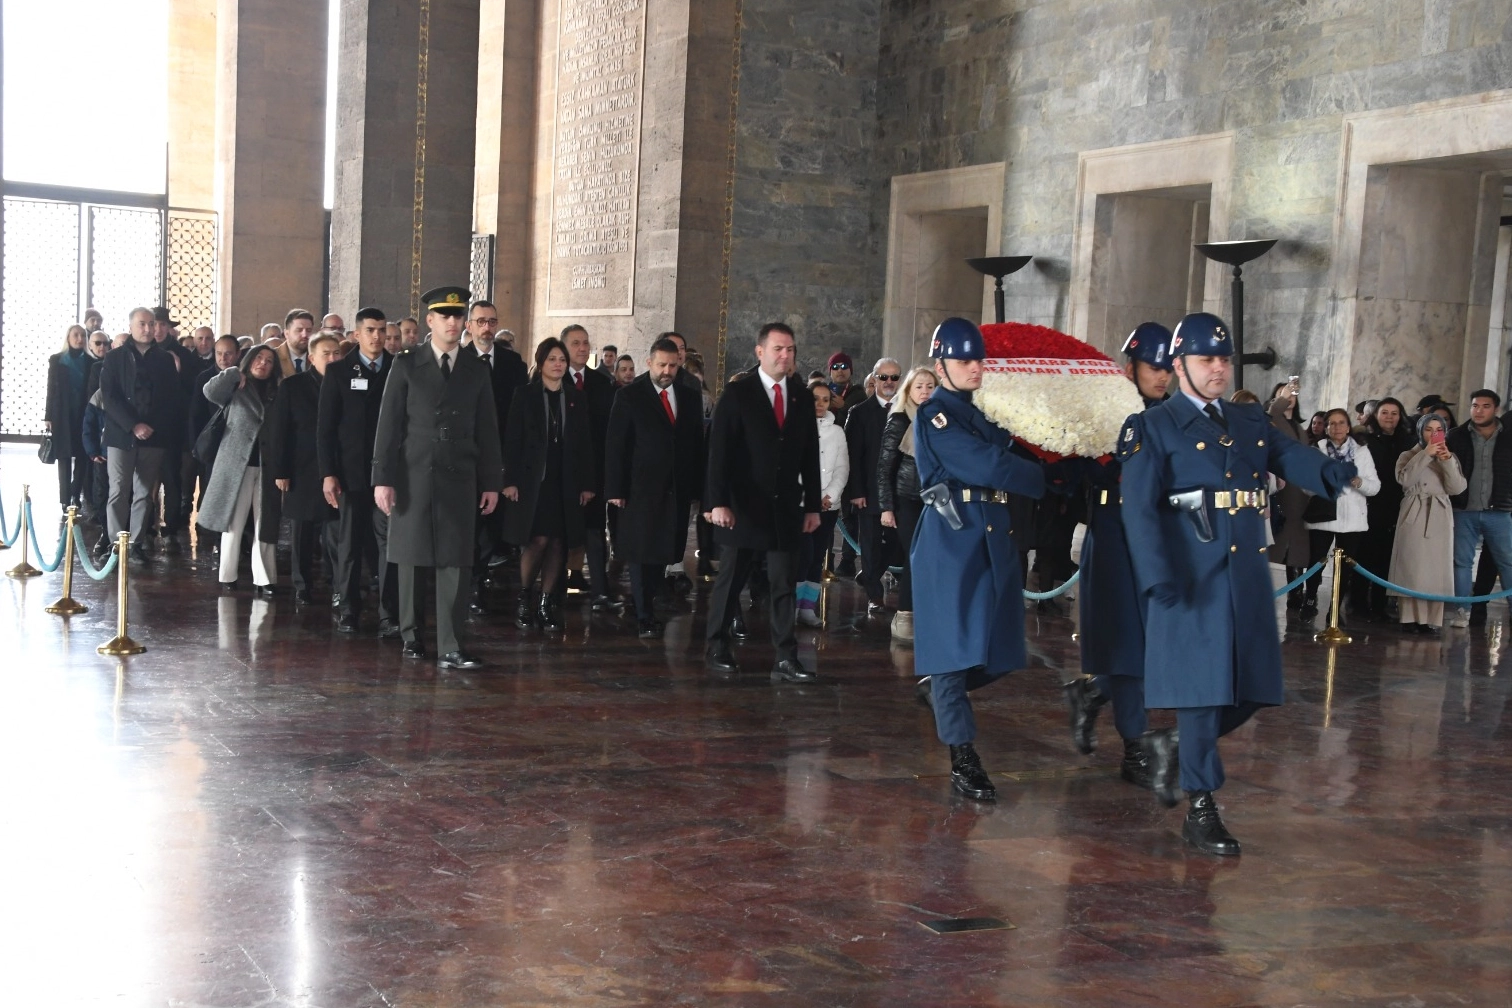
[597,389]
[654,473]
[436,467]
[864,423]
[294,461]
[350,396]
[762,492]
[508,373]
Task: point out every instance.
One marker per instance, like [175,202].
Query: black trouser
[1374,546]
[362,539]
[908,511]
[873,552]
[1319,543]
[451,605]
[96,489]
[734,565]
[1485,578]
[308,540]
[490,539]
[815,544]
[644,581]
[173,491]
[73,477]
[706,548]
[191,471]
[595,546]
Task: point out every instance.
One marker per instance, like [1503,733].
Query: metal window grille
[480,276]
[191,268]
[125,261]
[41,277]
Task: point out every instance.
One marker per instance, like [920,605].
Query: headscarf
[1422,427]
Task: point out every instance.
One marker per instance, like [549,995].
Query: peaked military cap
[447,300]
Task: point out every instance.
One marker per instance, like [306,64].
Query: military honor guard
[1194,472]
[968,588]
[1112,607]
[436,468]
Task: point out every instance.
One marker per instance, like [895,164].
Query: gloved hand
[1166,593]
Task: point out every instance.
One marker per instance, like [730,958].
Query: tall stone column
[508,38]
[270,143]
[406,105]
[191,103]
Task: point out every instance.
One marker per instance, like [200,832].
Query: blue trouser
[1200,729]
[955,723]
[1127,696]
[1471,529]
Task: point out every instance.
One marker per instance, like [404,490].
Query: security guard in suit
[1194,513]
[1112,610]
[968,589]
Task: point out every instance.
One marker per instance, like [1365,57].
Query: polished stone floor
[260,812]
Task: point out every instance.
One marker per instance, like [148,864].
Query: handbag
[208,443]
[1320,510]
[46,454]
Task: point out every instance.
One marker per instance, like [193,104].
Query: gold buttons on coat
[1261,442]
[989,528]
[1233,549]
[1201,445]
[1264,548]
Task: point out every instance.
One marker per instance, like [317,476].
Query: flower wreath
[1057,395]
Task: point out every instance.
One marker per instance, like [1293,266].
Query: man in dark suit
[595,385]
[762,492]
[654,473]
[509,373]
[176,504]
[350,396]
[864,423]
[436,467]
[140,393]
[294,460]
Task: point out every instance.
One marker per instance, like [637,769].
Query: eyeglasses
[889,377]
[839,367]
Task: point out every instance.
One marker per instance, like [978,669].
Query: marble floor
[258,811]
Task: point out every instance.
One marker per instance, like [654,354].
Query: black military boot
[1135,767]
[525,614]
[1203,828]
[1161,750]
[967,775]
[1309,604]
[1085,700]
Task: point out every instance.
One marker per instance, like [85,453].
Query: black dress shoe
[875,606]
[1052,607]
[171,546]
[924,691]
[791,670]
[1085,700]
[302,597]
[414,649]
[681,584]
[650,629]
[1161,753]
[266,591]
[388,629]
[1135,767]
[1204,829]
[967,775]
[603,603]
[1309,607]
[228,586]
[720,658]
[458,659]
[476,606]
[738,628]
[139,555]
[348,623]
[336,600]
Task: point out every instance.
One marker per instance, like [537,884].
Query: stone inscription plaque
[596,156]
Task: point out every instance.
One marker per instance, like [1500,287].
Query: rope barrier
[1462,600]
[1291,585]
[9,538]
[82,551]
[1054,592]
[31,527]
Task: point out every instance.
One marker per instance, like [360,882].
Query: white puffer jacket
[834,460]
[1351,508]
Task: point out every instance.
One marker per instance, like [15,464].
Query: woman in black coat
[548,477]
[67,377]
[898,485]
[1388,439]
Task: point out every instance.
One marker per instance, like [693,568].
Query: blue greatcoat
[1211,636]
[968,591]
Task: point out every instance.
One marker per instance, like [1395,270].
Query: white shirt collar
[436,349]
[767,383]
[1201,403]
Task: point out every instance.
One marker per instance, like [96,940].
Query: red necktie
[578,378]
[777,405]
[667,405]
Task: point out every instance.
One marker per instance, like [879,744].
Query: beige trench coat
[1422,558]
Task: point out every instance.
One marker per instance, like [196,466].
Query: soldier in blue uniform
[1193,510]
[1112,608]
[968,590]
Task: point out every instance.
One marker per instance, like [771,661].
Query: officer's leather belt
[1238,498]
[983,495]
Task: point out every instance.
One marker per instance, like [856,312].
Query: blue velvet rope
[82,551]
[1290,585]
[1054,592]
[1428,596]
[9,538]
[37,548]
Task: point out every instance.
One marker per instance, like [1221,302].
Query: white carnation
[1066,414]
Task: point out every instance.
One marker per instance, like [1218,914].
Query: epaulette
[1131,436]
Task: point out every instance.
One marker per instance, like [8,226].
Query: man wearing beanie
[845,393]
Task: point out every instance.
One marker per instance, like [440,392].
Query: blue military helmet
[1150,342]
[1202,334]
[957,339]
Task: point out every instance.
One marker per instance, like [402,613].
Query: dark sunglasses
[839,367]
[889,377]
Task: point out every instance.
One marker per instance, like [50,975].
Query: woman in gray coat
[1422,557]
[237,484]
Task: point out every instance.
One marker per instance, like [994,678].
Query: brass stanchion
[1333,635]
[67,605]
[121,644]
[24,569]
[1328,686]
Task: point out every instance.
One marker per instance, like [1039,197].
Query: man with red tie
[597,389]
[654,472]
[762,495]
